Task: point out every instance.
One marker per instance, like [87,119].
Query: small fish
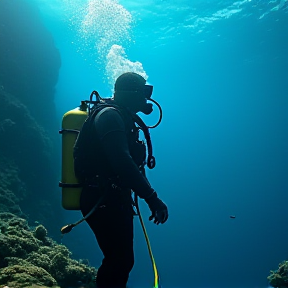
[232,216]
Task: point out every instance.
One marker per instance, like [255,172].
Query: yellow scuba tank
[72,123]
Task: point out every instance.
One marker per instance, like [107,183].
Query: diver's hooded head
[131,91]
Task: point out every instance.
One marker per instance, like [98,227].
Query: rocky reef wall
[29,258]
[29,60]
[29,141]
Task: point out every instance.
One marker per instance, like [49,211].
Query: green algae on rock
[22,276]
[279,278]
[25,260]
[40,232]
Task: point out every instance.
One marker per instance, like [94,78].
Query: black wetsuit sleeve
[111,132]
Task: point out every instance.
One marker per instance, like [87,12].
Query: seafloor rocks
[279,277]
[28,256]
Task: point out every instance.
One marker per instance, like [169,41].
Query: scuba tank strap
[69,130]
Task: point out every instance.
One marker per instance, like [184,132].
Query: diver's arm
[114,142]
[117,152]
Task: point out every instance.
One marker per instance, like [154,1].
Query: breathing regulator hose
[67,228]
[161,114]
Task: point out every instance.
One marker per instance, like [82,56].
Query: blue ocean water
[220,73]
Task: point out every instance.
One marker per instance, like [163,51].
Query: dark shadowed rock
[29,60]
[28,182]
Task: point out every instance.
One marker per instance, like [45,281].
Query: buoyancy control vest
[88,159]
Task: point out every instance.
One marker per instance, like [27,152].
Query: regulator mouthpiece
[147,109]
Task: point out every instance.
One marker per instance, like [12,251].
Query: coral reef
[28,257]
[279,277]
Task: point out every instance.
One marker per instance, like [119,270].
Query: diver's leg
[113,228]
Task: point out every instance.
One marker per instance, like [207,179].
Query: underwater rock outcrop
[28,182]
[279,277]
[30,144]
[10,187]
[28,257]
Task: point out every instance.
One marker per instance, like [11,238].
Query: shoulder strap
[150,159]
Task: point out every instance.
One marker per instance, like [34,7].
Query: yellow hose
[156,276]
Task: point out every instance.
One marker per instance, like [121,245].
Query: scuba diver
[109,159]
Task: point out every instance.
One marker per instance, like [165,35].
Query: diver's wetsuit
[119,153]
